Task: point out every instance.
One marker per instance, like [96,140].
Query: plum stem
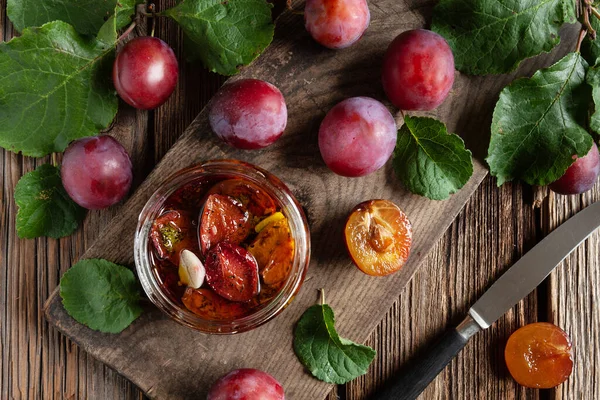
[127,31]
[587,11]
[288,4]
[322,296]
[152,9]
[582,34]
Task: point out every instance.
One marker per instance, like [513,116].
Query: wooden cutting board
[167,360]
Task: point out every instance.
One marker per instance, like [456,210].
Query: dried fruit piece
[209,305]
[273,249]
[271,218]
[232,272]
[191,270]
[223,218]
[378,237]
[190,196]
[539,355]
[172,232]
[251,196]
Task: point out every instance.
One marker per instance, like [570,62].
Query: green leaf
[123,11]
[86,16]
[429,161]
[224,35]
[494,36]
[593,79]
[329,357]
[54,87]
[101,295]
[537,124]
[45,208]
[590,48]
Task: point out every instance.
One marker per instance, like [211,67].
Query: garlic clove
[191,269]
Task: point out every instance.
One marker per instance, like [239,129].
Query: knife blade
[516,283]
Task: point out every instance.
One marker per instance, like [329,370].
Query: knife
[513,285]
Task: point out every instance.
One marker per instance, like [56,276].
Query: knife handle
[419,373]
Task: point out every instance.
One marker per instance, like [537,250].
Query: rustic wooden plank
[573,296]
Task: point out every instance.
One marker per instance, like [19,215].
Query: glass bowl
[222,169]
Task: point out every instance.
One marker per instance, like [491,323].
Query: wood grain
[37,362]
[574,296]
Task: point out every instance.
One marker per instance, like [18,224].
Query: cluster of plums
[356,137]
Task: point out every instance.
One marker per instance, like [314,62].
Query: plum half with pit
[378,237]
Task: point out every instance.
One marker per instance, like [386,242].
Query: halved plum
[251,196]
[232,272]
[190,196]
[378,237]
[539,355]
[273,249]
[172,232]
[223,218]
[209,305]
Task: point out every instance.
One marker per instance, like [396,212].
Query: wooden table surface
[496,227]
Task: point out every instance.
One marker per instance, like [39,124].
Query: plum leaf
[54,87]
[494,36]
[537,126]
[429,161]
[224,35]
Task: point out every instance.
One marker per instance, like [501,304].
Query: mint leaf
[45,208]
[224,35]
[86,16]
[329,357]
[494,36]
[536,127]
[593,79]
[54,88]
[429,161]
[101,295]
